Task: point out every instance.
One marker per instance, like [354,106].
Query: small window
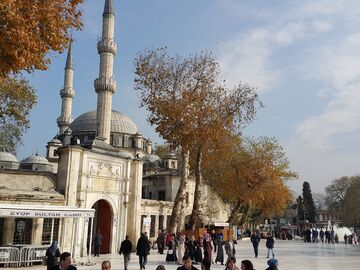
[150,195]
[161,195]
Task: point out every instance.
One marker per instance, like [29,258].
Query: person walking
[171,253]
[273,264]
[160,241]
[207,246]
[190,248]
[246,265]
[186,264]
[97,243]
[125,249]
[322,234]
[220,250]
[255,240]
[65,262]
[230,248]
[52,253]
[180,248]
[198,251]
[270,245]
[142,250]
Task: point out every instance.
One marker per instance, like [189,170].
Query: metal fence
[22,255]
[9,256]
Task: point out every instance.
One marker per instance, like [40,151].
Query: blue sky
[303,57]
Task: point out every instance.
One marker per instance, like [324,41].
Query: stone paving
[292,255]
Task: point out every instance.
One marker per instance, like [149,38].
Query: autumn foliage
[250,174]
[30,29]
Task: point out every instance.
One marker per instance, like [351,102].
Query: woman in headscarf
[52,253]
[207,246]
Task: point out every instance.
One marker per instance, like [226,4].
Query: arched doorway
[103,223]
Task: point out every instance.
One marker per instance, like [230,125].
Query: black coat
[126,247]
[270,242]
[143,247]
[255,239]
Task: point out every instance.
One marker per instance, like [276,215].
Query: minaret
[67,94]
[105,85]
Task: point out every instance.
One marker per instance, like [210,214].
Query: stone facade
[98,161]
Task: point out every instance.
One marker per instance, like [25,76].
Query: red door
[103,224]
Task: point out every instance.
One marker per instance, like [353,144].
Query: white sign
[45,213]
[4,255]
[147,221]
[40,253]
[221,224]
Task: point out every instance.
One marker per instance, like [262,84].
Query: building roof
[152,158]
[35,159]
[120,123]
[8,157]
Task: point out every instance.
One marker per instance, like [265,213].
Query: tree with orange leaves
[191,108]
[250,174]
[31,29]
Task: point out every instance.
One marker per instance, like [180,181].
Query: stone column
[9,230]
[37,231]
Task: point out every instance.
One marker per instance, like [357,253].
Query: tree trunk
[235,210]
[194,221]
[177,219]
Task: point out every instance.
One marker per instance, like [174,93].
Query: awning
[44,211]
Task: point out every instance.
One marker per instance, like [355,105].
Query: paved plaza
[293,255]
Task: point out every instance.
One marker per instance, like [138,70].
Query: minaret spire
[105,85]
[67,94]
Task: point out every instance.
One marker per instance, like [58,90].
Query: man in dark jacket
[255,239]
[270,245]
[65,262]
[125,249]
[187,264]
[142,250]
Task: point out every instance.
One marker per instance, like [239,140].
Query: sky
[303,57]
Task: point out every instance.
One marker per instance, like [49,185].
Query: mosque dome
[8,161]
[120,123]
[35,159]
[152,158]
[7,157]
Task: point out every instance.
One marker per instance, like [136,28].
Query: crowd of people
[327,236]
[184,250]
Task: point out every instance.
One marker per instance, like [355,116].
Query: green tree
[308,202]
[335,193]
[351,203]
[17,98]
[300,208]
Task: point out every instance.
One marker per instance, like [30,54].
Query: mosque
[99,174]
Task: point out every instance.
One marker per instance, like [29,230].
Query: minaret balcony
[67,92]
[107,45]
[105,84]
[64,121]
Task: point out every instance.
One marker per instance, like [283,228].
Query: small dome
[55,141]
[36,159]
[8,157]
[152,158]
[120,123]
